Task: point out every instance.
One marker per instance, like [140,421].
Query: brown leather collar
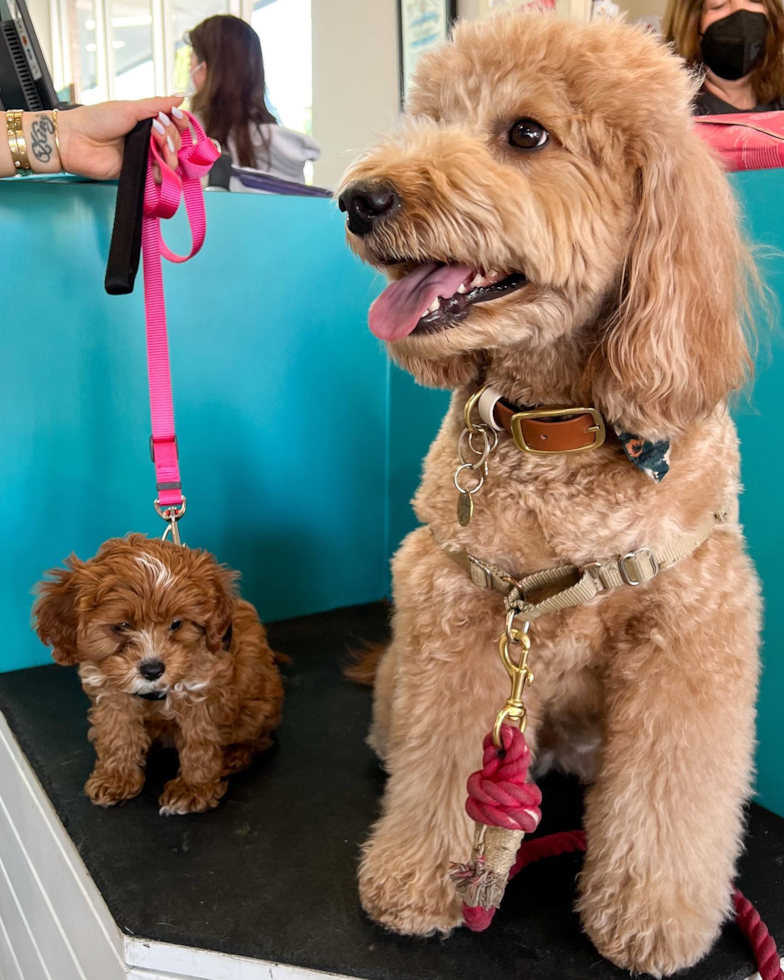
[546,431]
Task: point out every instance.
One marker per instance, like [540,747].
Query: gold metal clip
[521,676]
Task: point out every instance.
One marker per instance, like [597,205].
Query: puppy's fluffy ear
[674,349]
[224,599]
[55,617]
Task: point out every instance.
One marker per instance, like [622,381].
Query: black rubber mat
[271,872]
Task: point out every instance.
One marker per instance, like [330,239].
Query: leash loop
[161,202]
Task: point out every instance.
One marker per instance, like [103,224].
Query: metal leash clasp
[521,676]
[171,515]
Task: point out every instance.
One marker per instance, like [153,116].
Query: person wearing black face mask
[740,46]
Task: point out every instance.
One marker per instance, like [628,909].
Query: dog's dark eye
[527,134]
[121,627]
[175,625]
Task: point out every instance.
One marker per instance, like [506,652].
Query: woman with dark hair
[227,76]
[739,44]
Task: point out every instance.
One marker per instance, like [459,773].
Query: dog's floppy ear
[224,600]
[674,347]
[54,612]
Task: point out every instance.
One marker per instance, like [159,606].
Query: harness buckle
[479,573]
[635,555]
[594,569]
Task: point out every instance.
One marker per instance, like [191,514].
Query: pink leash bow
[197,155]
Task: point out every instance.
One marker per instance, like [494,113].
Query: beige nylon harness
[576,585]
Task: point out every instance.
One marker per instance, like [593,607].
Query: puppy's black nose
[366,204]
[151,670]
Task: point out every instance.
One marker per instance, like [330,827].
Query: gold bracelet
[17,143]
[57,137]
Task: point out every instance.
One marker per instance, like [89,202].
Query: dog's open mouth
[435,296]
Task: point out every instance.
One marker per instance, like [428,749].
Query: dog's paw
[236,758]
[106,787]
[180,797]
[239,757]
[406,896]
[646,934]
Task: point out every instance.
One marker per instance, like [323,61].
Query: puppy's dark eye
[177,624]
[121,627]
[527,134]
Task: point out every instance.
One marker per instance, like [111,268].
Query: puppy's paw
[105,787]
[236,758]
[650,934]
[180,797]
[239,757]
[405,895]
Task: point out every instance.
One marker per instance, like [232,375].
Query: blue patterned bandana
[653,458]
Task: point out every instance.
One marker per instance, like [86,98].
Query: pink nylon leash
[161,201]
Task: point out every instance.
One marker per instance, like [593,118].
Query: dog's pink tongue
[398,309]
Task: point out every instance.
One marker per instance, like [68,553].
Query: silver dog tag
[465,509]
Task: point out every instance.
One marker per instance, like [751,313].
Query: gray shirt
[289,151]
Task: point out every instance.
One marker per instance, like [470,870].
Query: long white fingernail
[157,127]
[164,119]
[177,113]
[170,143]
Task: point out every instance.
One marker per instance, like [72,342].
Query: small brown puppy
[166,651]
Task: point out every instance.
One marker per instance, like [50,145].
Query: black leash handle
[126,245]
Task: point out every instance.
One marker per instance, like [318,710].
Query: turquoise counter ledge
[416,413]
[280,400]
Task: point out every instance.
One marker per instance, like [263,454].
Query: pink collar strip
[197,155]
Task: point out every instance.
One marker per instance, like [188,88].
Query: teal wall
[280,401]
[417,412]
[762,197]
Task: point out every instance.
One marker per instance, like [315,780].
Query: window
[185,14]
[80,49]
[129,49]
[284,29]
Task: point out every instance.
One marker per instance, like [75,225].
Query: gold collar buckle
[598,429]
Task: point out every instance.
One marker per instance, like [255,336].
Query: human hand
[92,137]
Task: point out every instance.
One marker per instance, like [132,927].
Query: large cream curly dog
[556,161]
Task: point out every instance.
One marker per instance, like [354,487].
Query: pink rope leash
[500,796]
[196,156]
[766,954]
[498,793]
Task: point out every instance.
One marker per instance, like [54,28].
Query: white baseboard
[54,924]
[185,963]
[756,976]
[57,926]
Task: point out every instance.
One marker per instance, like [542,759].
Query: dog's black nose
[151,670]
[365,204]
